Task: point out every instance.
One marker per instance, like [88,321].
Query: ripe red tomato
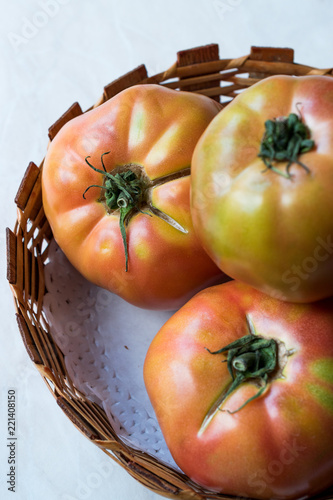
[116,192]
[255,419]
[262,183]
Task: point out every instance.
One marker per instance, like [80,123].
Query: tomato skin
[259,227]
[278,445]
[155,129]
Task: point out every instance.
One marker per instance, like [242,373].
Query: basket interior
[29,247]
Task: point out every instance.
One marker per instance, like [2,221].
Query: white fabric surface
[55,52]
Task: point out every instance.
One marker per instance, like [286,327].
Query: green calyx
[123,192]
[284,140]
[249,358]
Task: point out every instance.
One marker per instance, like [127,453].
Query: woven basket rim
[201,70]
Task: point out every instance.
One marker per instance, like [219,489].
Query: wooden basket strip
[195,80]
[275,68]
[67,387]
[154,482]
[43,238]
[33,204]
[33,231]
[120,454]
[50,353]
[84,427]
[263,68]
[272,54]
[63,385]
[128,80]
[33,279]
[244,82]
[26,186]
[280,61]
[29,337]
[104,421]
[268,54]
[227,77]
[31,331]
[52,382]
[146,477]
[172,480]
[17,257]
[205,53]
[11,254]
[250,66]
[28,258]
[210,92]
[88,410]
[199,55]
[41,286]
[161,79]
[28,340]
[216,91]
[72,112]
[169,475]
[93,415]
[198,70]
[206,68]
[110,447]
[176,478]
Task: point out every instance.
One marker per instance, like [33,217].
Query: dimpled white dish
[104,341]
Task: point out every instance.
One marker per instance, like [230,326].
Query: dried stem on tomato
[285,139]
[249,358]
[123,191]
[127,192]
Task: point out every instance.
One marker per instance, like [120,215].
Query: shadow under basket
[28,245]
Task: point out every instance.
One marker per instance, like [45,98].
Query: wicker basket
[196,70]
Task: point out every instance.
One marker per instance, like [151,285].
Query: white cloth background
[55,52]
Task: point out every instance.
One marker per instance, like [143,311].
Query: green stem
[124,211]
[249,358]
[285,139]
[127,193]
[123,192]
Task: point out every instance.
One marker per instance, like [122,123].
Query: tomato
[242,387]
[262,182]
[116,192]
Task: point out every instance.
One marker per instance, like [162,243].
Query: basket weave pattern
[196,70]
